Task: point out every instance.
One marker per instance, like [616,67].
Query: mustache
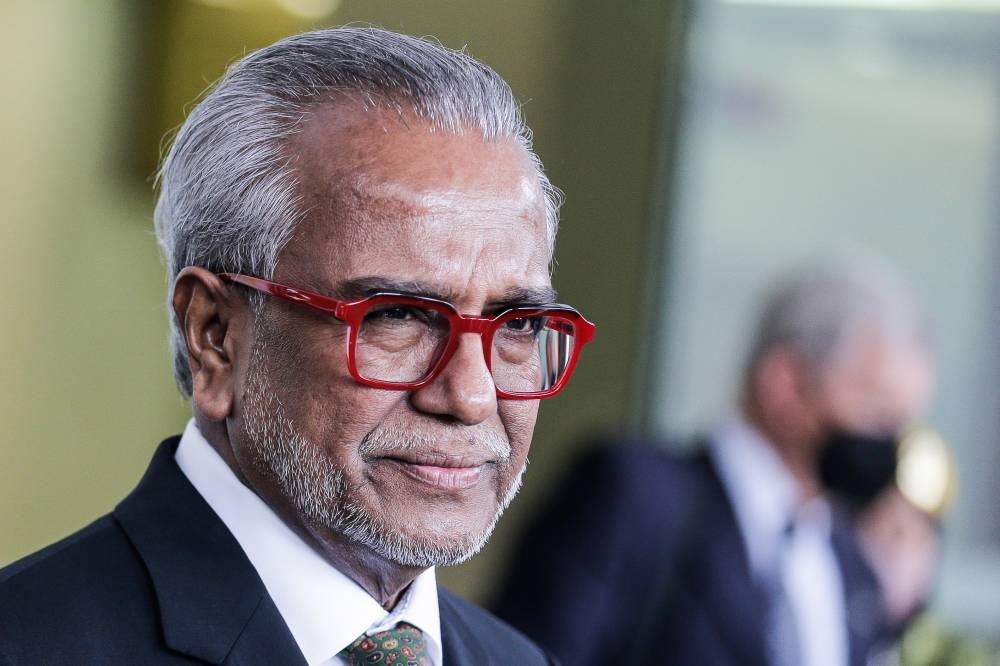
[393,439]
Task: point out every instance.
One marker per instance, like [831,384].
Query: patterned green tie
[403,645]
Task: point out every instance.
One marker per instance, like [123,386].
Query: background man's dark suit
[640,560]
[162,581]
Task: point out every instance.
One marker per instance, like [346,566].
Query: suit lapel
[213,605]
[459,644]
[721,574]
[265,640]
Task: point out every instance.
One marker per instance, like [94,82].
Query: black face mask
[857,467]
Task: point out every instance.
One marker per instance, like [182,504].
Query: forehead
[391,196]
[881,381]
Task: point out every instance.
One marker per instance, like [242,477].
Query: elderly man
[754,549]
[358,237]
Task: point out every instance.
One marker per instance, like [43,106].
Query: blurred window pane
[806,129]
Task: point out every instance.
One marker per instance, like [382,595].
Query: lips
[440,471]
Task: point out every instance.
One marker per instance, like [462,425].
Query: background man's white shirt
[324,609]
[765,500]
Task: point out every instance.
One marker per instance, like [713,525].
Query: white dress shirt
[766,502]
[324,609]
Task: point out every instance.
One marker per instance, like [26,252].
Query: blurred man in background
[358,237]
[779,540]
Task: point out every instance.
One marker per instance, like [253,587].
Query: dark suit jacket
[640,560]
[162,581]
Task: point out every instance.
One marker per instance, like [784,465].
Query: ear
[778,380]
[213,324]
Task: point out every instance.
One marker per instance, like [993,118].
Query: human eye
[398,313]
[524,325]
[395,327]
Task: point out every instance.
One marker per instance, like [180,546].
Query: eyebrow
[366,286]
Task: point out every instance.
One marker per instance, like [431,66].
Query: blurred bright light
[310,9]
[307,9]
[926,472]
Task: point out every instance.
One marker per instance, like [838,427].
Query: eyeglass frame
[352,312]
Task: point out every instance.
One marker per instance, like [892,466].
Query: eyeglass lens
[401,343]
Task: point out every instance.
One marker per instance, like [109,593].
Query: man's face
[417,477]
[878,387]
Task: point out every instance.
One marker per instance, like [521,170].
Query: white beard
[319,493]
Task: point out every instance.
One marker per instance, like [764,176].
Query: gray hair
[227,198]
[820,311]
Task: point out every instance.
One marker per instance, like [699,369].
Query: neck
[795,455]
[384,581]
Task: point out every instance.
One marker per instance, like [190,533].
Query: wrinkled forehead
[422,196]
[882,381]
[348,149]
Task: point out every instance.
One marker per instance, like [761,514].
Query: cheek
[341,413]
[518,418]
[327,406]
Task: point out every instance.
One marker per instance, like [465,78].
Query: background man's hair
[227,198]
[819,311]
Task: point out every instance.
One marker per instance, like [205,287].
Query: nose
[464,391]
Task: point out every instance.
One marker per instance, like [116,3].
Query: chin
[423,539]
[439,543]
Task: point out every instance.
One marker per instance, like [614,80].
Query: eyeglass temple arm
[316,301]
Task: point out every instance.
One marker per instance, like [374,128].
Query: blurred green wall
[84,385]
[85,389]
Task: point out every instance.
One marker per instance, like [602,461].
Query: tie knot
[403,645]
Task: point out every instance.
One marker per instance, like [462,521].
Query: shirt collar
[325,610]
[763,492]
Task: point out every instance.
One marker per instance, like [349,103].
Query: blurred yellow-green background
[704,147]
[91,88]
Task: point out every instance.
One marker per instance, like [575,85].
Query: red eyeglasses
[403,342]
